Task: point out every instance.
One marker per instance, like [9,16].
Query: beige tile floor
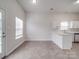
[44,50]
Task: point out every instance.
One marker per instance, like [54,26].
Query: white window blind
[19,28]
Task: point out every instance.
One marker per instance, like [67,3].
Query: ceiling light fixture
[51,9]
[77,2]
[34,1]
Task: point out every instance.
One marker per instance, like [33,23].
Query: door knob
[3,34]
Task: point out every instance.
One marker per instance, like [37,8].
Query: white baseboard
[37,40]
[14,48]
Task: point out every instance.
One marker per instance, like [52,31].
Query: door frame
[3,32]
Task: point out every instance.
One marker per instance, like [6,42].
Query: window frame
[17,33]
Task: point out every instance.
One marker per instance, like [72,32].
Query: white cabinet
[67,41]
[63,40]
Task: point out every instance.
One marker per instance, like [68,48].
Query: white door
[2,33]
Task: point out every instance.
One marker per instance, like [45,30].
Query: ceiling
[45,5]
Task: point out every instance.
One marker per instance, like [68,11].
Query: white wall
[38,26]
[58,17]
[12,9]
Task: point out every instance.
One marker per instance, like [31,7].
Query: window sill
[19,36]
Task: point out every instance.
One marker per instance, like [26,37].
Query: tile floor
[44,50]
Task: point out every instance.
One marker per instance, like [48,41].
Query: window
[19,28]
[64,25]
